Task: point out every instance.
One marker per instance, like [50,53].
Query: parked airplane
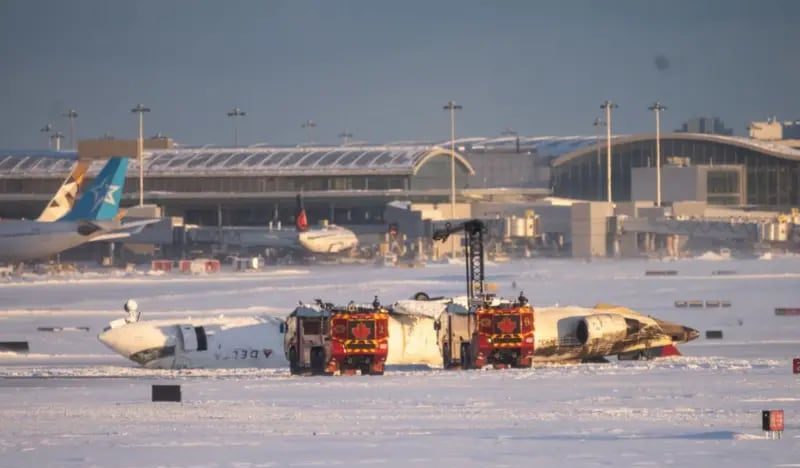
[64,199]
[323,240]
[92,218]
[563,334]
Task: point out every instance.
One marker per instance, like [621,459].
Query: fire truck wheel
[294,366]
[373,369]
[466,358]
[317,361]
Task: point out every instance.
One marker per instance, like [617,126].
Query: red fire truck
[324,339]
[488,331]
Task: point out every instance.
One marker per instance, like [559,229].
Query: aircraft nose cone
[691,333]
[111,338]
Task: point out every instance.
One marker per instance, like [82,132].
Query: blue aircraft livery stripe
[100,200]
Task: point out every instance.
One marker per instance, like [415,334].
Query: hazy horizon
[383,70]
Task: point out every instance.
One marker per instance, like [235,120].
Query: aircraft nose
[113,339]
[690,334]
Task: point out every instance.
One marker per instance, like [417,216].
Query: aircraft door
[188,338]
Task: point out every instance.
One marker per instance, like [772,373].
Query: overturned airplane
[416,337]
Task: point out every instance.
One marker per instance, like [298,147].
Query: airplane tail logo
[64,199]
[100,201]
[301,223]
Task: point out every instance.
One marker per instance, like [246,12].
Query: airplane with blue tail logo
[91,218]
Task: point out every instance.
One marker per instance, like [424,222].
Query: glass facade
[770,180]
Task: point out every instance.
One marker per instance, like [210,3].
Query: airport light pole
[511,132]
[345,136]
[140,109]
[607,106]
[235,114]
[71,115]
[57,137]
[46,130]
[452,107]
[598,122]
[308,125]
[657,107]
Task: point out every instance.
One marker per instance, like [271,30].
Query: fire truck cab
[493,332]
[324,339]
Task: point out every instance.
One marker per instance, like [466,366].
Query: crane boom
[473,231]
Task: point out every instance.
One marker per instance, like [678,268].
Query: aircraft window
[218,159]
[293,158]
[202,342]
[236,159]
[368,158]
[349,158]
[256,159]
[311,158]
[143,357]
[199,159]
[330,158]
[276,158]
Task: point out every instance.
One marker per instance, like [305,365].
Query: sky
[383,70]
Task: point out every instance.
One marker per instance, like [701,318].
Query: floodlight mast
[140,109]
[598,122]
[235,114]
[452,107]
[71,115]
[607,106]
[657,107]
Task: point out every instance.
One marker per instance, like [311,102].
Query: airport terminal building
[760,173]
[351,185]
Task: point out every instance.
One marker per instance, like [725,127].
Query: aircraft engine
[606,328]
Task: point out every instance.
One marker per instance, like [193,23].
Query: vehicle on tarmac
[499,333]
[324,339]
[487,332]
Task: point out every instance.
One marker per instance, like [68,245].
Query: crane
[473,231]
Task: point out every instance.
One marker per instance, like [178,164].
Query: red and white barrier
[161,265]
[199,266]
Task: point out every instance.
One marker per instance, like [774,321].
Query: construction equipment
[323,339]
[488,331]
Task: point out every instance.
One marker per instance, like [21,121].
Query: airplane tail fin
[64,199]
[100,200]
[668,350]
[301,221]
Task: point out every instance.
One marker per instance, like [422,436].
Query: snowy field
[72,402]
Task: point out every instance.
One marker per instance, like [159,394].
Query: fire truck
[488,330]
[323,339]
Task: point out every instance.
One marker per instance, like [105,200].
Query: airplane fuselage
[28,240]
[257,341]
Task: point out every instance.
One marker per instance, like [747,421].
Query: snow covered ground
[72,402]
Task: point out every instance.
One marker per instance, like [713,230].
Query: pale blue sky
[384,69]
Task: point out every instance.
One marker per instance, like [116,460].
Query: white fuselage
[257,341]
[28,240]
[328,240]
[229,342]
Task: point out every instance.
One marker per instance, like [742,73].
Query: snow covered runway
[71,402]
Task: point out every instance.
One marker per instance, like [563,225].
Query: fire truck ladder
[473,230]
